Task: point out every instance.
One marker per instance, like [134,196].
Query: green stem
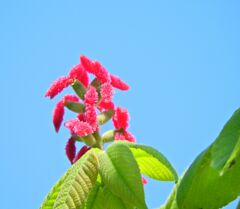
[99,143]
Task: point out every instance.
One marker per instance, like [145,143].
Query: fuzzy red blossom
[120,122]
[118,83]
[91,96]
[87,64]
[106,105]
[58,111]
[58,85]
[106,92]
[144,180]
[58,114]
[121,118]
[70,124]
[71,150]
[124,136]
[78,72]
[91,117]
[129,137]
[119,136]
[81,152]
[100,72]
[79,127]
[70,97]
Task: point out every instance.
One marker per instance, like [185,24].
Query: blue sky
[181,59]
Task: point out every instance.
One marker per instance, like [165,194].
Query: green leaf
[152,163]
[95,199]
[212,181]
[52,195]
[114,202]
[238,206]
[232,159]
[227,143]
[78,184]
[171,201]
[121,175]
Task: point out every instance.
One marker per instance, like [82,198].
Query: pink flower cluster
[97,100]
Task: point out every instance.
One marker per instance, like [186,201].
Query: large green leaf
[238,206]
[213,179]
[171,202]
[152,163]
[78,184]
[95,199]
[121,175]
[52,195]
[114,202]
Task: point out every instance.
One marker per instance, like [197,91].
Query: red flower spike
[91,117]
[79,127]
[118,83]
[124,136]
[106,106]
[129,137]
[78,72]
[86,63]
[119,136]
[95,68]
[144,180]
[71,150]
[121,118]
[70,97]
[100,72]
[81,152]
[91,96]
[57,86]
[106,92]
[58,113]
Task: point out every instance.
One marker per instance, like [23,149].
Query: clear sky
[181,59]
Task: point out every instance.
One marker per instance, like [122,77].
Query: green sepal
[96,83]
[75,106]
[89,140]
[79,89]
[108,136]
[77,138]
[105,116]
